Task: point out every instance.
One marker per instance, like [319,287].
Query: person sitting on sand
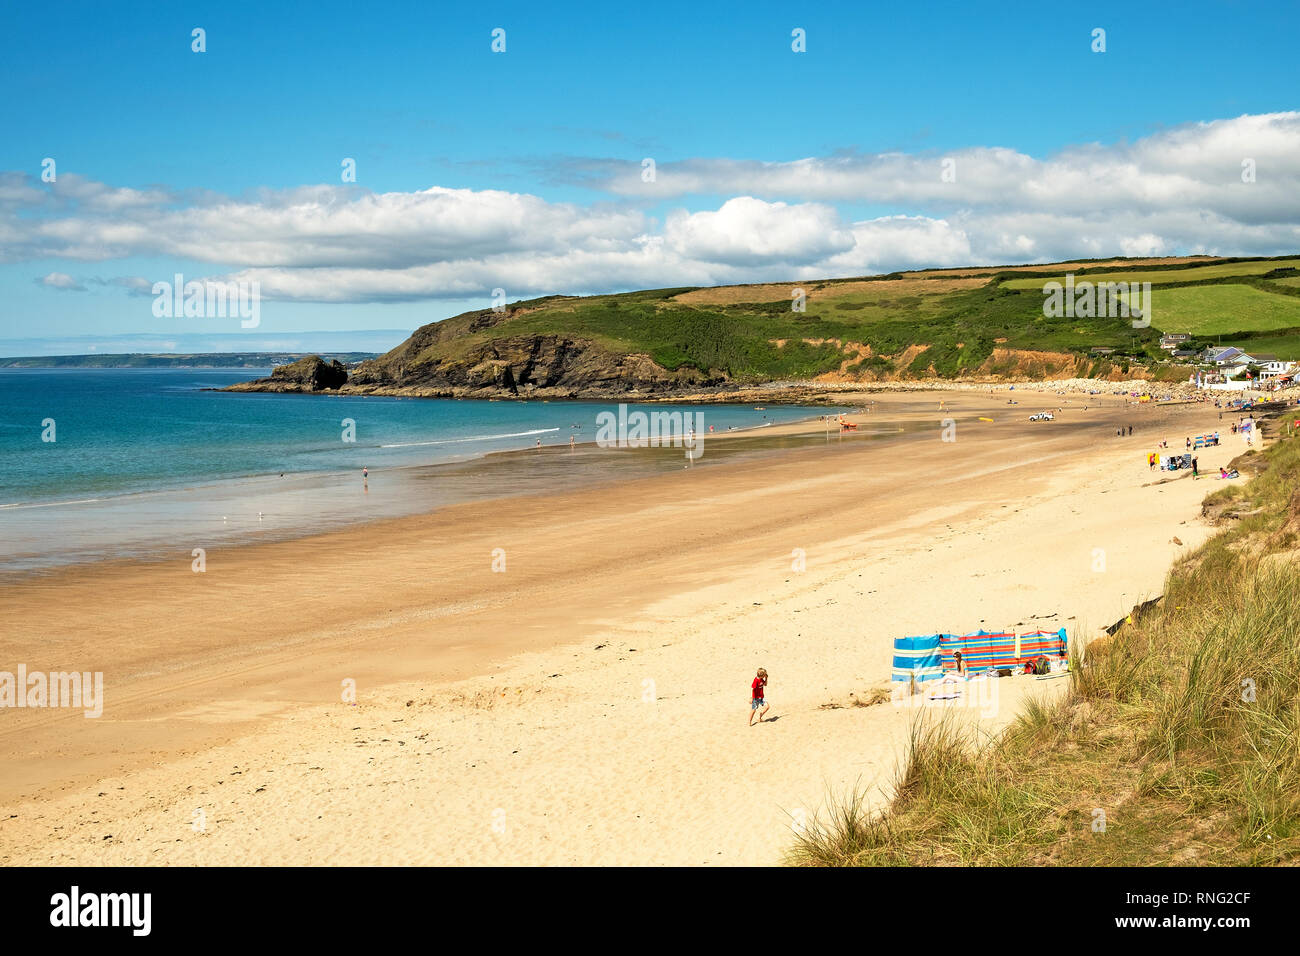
[961,665]
[757,699]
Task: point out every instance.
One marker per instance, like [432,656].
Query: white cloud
[1198,164]
[61,280]
[879,245]
[1178,191]
[748,231]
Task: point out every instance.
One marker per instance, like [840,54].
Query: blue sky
[207,141]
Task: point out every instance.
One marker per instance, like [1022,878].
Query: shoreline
[806,392]
[242,692]
[815,392]
[502,470]
[142,514]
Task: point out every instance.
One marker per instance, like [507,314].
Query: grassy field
[1181,728]
[1163,276]
[1222,309]
[1283,346]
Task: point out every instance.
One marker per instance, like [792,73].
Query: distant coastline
[250,360]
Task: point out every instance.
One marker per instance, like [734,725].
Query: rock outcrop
[475,355]
[520,365]
[309,374]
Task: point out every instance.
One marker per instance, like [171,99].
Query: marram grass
[1181,733]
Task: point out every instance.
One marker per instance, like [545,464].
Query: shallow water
[147,462]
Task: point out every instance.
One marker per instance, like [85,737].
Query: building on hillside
[1270,366]
[1172,340]
[1221,356]
[1102,350]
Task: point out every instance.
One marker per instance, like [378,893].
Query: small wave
[48,504]
[457,441]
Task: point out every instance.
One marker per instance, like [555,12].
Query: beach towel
[949,687]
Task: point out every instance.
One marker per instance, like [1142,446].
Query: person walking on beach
[757,699]
[1196,463]
[365,473]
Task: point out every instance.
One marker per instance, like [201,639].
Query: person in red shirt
[758,699]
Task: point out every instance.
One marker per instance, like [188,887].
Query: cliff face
[454,358]
[310,374]
[520,364]
[438,361]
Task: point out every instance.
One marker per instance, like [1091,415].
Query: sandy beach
[587,704]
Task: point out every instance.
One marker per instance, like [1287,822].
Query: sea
[100,464]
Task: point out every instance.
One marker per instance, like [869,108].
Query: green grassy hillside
[1223,309]
[910,325]
[767,340]
[1253,304]
[1285,344]
[1177,274]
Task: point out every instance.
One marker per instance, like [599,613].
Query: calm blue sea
[143,459]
